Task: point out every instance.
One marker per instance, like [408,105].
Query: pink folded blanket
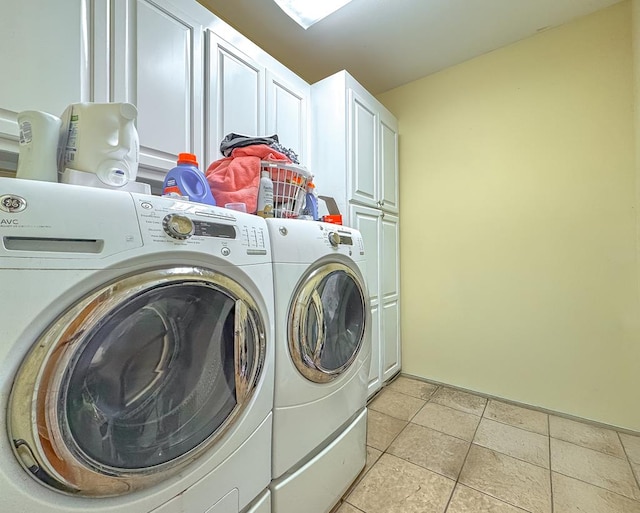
[235,179]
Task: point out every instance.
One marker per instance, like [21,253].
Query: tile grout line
[624,449]
[513,457]
[481,416]
[344,499]
[408,422]
[597,486]
[498,452]
[620,458]
[394,439]
[465,457]
[517,427]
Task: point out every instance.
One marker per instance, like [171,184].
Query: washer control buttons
[225,251]
[334,239]
[177,226]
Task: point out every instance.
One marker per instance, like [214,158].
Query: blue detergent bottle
[187,181]
[311,202]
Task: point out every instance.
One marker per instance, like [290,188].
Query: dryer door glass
[327,322]
[155,379]
[160,367]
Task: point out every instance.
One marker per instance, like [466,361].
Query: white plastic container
[101,138]
[265,195]
[75,177]
[38,145]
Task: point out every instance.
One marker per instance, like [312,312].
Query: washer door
[137,380]
[327,322]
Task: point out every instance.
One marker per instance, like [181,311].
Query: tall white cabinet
[355,160]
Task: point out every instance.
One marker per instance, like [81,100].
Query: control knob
[177,226]
[334,239]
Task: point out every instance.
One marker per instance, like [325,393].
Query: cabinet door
[363,149]
[368,222]
[390,297]
[160,71]
[375,371]
[46,58]
[286,114]
[235,100]
[388,132]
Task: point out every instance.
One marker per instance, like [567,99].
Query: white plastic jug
[39,135]
[100,138]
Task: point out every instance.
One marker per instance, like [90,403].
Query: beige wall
[519,256]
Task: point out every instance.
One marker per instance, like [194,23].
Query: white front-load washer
[136,353]
[323,351]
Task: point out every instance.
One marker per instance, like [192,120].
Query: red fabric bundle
[235,179]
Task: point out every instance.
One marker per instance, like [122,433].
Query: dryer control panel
[339,236]
[299,241]
[216,230]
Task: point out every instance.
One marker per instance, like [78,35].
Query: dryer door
[136,380]
[327,322]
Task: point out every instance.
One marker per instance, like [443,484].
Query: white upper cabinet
[355,145]
[46,60]
[388,151]
[246,97]
[158,66]
[235,94]
[287,105]
[363,149]
[193,78]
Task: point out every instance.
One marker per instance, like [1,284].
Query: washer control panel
[216,230]
[178,226]
[334,239]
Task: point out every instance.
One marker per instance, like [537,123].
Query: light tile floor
[433,449]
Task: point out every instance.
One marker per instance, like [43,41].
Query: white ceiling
[387,43]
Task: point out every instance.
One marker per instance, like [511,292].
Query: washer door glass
[139,378]
[327,322]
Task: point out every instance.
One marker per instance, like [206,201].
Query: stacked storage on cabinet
[355,160]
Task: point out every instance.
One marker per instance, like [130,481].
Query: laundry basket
[289,187]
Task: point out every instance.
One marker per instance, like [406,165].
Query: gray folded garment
[293,156]
[232,141]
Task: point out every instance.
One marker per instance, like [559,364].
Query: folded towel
[235,179]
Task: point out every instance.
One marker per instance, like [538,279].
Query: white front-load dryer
[323,351]
[136,353]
